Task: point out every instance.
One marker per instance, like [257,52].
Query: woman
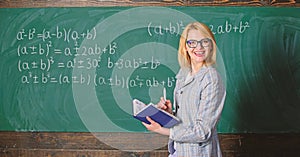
[198,95]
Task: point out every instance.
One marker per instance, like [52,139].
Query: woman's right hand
[165,105]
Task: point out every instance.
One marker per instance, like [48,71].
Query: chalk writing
[96,80]
[177,28]
[39,49]
[228,28]
[133,63]
[41,64]
[46,62]
[66,34]
[171,28]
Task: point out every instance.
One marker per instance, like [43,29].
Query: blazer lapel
[181,76]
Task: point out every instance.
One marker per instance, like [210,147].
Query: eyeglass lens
[203,43]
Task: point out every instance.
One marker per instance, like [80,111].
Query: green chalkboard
[77,69]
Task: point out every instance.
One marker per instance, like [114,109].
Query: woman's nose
[199,46]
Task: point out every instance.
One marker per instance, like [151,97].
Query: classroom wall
[86,144]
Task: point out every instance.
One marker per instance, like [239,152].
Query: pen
[165,98]
[165,94]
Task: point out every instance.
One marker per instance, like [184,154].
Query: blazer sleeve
[209,111]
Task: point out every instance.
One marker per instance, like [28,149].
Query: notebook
[141,110]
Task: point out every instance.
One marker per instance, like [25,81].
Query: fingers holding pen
[162,104]
[165,105]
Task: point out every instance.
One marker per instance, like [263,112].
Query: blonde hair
[183,57]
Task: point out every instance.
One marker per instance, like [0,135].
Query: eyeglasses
[203,43]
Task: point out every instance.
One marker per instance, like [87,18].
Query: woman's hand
[153,126]
[156,127]
[165,105]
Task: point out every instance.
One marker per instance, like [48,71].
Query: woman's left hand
[153,126]
[156,127]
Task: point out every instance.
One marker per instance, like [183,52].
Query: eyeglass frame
[199,41]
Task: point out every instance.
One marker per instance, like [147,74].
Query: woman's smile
[199,53]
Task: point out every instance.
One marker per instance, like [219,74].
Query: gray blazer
[200,102]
